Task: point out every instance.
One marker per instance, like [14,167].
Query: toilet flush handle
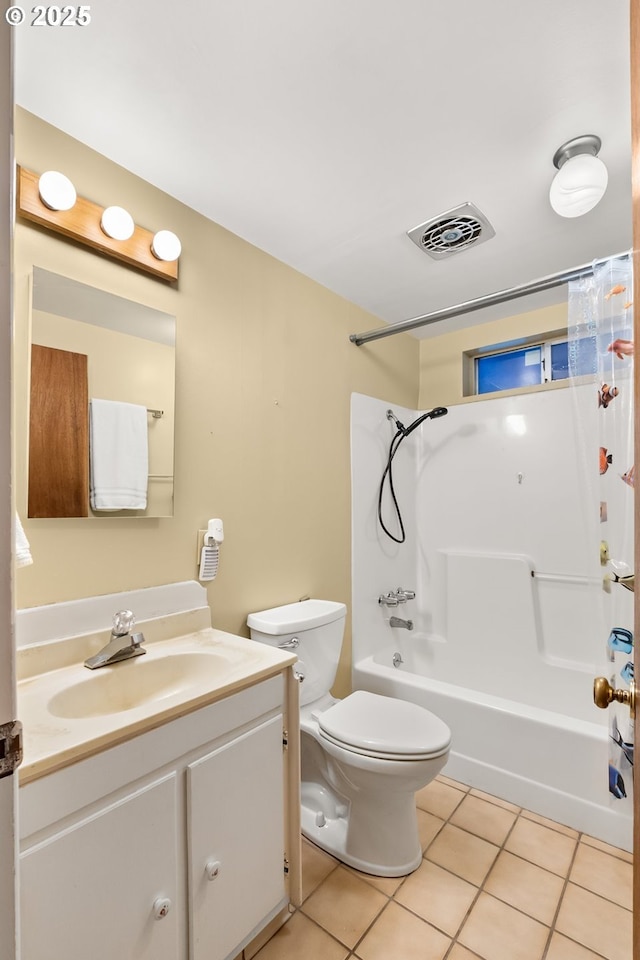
[289,644]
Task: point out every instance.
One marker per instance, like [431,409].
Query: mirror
[88,344]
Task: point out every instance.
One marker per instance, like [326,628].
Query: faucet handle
[123,621]
[388,599]
[404,595]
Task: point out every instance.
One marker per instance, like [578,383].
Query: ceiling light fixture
[117,223]
[166,245]
[581,179]
[56,191]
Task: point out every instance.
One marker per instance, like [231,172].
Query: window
[528,366]
[509,369]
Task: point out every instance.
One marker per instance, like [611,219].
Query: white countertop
[69,712]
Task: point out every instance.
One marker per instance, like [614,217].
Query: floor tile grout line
[326,876]
[604,853]
[333,936]
[558,908]
[527,814]
[600,896]
[616,855]
[531,815]
[373,922]
[599,956]
[560,900]
[455,943]
[481,888]
[501,846]
[389,897]
[358,876]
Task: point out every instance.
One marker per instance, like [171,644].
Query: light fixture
[56,191]
[117,223]
[166,245]
[48,200]
[581,179]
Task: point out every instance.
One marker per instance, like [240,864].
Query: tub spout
[399,622]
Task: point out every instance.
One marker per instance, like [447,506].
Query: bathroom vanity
[159,799]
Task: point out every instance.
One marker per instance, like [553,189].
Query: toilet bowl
[362,758]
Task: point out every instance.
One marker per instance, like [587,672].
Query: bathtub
[509,616]
[551,763]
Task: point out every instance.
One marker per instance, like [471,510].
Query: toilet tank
[318,625]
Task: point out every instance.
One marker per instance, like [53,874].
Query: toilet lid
[385,727]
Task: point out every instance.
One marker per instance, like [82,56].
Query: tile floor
[496,883]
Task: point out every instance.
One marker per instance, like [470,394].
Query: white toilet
[362,758]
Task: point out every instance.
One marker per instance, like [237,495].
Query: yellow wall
[441,366]
[264,374]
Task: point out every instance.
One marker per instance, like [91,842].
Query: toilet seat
[384,727]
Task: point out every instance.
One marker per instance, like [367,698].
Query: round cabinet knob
[212,869]
[161,907]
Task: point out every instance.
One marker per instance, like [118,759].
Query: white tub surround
[507,622]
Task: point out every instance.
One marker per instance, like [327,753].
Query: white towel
[119,455]
[22,549]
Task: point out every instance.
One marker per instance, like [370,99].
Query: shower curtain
[601,353]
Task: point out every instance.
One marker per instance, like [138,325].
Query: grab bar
[564,578]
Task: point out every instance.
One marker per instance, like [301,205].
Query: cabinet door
[89,890]
[236,840]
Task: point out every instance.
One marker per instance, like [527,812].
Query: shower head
[429,415]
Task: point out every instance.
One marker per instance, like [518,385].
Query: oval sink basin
[133,683]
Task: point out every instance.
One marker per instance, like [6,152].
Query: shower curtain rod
[490,300]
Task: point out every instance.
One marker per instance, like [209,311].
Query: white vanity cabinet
[169,846]
[90,890]
[236,840]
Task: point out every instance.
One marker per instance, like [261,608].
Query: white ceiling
[322,130]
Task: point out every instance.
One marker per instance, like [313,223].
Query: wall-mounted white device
[210,553]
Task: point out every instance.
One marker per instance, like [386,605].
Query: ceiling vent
[453,231]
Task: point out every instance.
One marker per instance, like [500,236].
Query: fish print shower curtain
[601,352]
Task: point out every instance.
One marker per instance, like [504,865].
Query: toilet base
[332,839]
[325,821]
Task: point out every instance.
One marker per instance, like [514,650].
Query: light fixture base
[588,144]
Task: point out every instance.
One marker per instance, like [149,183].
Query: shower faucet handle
[404,595]
[388,599]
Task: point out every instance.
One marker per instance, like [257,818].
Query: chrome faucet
[404,595]
[399,622]
[388,599]
[123,644]
[394,597]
